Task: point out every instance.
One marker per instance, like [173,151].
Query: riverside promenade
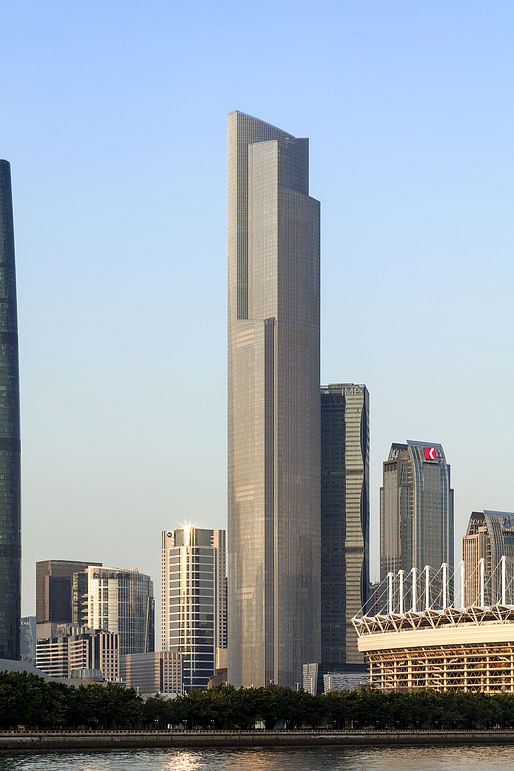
[43,741]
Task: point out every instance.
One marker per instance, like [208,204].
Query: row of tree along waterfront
[28,700]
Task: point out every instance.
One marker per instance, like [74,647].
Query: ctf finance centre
[273,406]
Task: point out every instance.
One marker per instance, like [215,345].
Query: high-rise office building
[54,590]
[416,509]
[90,596]
[273,406]
[194,608]
[10,528]
[344,521]
[489,536]
[121,600]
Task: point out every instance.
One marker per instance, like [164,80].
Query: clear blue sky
[113,116]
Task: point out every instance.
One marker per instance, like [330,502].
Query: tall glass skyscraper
[416,509]
[194,600]
[273,406]
[344,521]
[10,528]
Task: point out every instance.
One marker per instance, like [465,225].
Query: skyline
[410,138]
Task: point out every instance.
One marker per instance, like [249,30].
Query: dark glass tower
[56,600]
[344,522]
[10,540]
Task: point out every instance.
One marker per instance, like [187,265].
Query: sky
[113,116]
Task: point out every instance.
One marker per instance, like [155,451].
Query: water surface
[474,758]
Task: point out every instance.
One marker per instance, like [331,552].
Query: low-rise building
[344,681]
[153,672]
[61,648]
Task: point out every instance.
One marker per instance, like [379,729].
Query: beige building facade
[63,648]
[273,406]
[153,672]
[194,600]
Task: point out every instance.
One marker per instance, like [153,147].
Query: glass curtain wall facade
[344,521]
[273,406]
[122,601]
[416,509]
[28,639]
[194,600]
[489,536]
[54,590]
[10,525]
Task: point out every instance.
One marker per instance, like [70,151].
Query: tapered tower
[273,406]
[10,540]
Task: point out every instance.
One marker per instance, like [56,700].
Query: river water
[441,758]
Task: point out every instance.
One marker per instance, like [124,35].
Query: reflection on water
[302,759]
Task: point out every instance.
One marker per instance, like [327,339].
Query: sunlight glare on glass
[187,526]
